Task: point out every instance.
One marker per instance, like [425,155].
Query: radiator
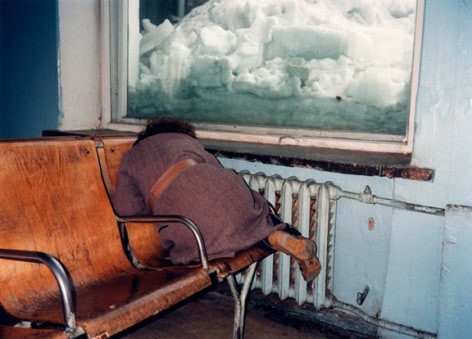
[307,206]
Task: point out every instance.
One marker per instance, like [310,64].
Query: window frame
[114,104]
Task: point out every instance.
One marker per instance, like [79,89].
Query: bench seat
[70,267]
[54,206]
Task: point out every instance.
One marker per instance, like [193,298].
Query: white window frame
[114,82]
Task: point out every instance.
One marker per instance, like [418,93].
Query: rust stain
[371,224]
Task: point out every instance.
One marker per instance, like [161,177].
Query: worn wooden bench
[145,254]
[68,266]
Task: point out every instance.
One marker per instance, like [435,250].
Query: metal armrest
[62,278]
[174,218]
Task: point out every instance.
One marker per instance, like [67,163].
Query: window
[311,73]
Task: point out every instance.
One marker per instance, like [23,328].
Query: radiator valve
[366,196]
[362,295]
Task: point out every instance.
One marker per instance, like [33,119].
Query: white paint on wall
[79,66]
[455,300]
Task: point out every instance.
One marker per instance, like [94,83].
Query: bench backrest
[52,199]
[113,148]
[144,241]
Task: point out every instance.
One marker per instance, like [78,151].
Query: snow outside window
[327,73]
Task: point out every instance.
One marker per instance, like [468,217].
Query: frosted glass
[319,64]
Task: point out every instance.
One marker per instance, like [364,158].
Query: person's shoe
[301,249]
[310,268]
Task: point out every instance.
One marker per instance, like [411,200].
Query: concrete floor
[211,316]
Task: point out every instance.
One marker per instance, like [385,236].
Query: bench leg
[240,299]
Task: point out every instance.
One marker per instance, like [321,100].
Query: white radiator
[307,206]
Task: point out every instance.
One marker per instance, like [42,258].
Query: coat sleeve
[127,199]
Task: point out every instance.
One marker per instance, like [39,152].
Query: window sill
[344,162]
[338,161]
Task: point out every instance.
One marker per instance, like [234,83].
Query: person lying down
[168,171]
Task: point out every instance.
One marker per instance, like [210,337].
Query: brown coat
[230,216]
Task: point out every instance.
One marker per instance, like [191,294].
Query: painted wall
[29,70]
[416,265]
[80,60]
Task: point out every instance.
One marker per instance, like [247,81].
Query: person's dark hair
[166,125]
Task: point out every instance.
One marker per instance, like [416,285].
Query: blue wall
[29,67]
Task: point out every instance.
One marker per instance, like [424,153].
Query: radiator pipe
[369,198]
